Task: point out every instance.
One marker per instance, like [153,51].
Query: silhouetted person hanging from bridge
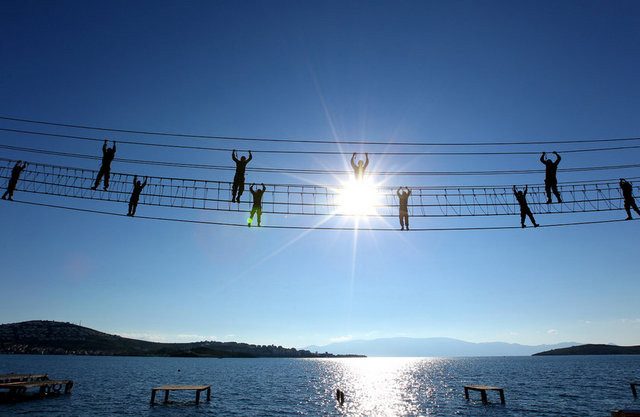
[135,195]
[524,207]
[105,169]
[550,180]
[403,198]
[13,181]
[627,193]
[257,203]
[358,170]
[238,179]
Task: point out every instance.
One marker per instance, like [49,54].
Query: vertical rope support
[326,198]
[273,198]
[446,203]
[584,189]
[218,199]
[205,195]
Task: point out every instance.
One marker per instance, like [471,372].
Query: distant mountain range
[433,346]
[52,337]
[593,350]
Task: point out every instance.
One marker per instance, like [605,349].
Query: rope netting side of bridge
[311,200]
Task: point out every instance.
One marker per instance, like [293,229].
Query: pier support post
[633,389]
[483,393]
[208,394]
[166,396]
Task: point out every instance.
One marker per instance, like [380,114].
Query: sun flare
[358,198]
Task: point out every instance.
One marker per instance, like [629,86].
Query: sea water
[533,386]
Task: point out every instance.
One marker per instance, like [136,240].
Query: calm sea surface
[534,386]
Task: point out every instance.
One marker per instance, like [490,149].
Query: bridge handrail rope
[334,141]
[315,152]
[307,171]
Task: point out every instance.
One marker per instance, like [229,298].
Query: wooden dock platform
[4,379]
[167,388]
[483,392]
[633,388]
[45,387]
[625,413]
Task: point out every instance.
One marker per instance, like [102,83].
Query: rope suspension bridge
[311,200]
[74,185]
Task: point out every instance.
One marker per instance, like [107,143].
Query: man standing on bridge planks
[627,193]
[238,179]
[105,169]
[358,170]
[550,180]
[13,181]
[403,213]
[257,204]
[524,207]
[135,195]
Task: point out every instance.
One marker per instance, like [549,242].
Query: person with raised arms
[358,170]
[627,193]
[238,179]
[524,207]
[13,181]
[550,180]
[257,203]
[403,214]
[135,195]
[105,169]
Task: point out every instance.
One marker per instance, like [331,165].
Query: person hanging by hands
[524,207]
[135,195]
[238,179]
[403,214]
[13,181]
[629,201]
[257,203]
[550,180]
[105,169]
[359,169]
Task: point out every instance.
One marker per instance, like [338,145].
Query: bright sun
[358,198]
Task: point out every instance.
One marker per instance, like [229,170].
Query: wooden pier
[483,392]
[15,386]
[4,379]
[633,388]
[166,388]
[625,413]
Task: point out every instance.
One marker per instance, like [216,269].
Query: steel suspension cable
[305,152]
[315,171]
[309,141]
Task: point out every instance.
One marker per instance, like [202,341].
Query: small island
[592,349]
[44,337]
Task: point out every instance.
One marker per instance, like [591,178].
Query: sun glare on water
[358,198]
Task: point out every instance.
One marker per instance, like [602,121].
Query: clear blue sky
[390,71]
